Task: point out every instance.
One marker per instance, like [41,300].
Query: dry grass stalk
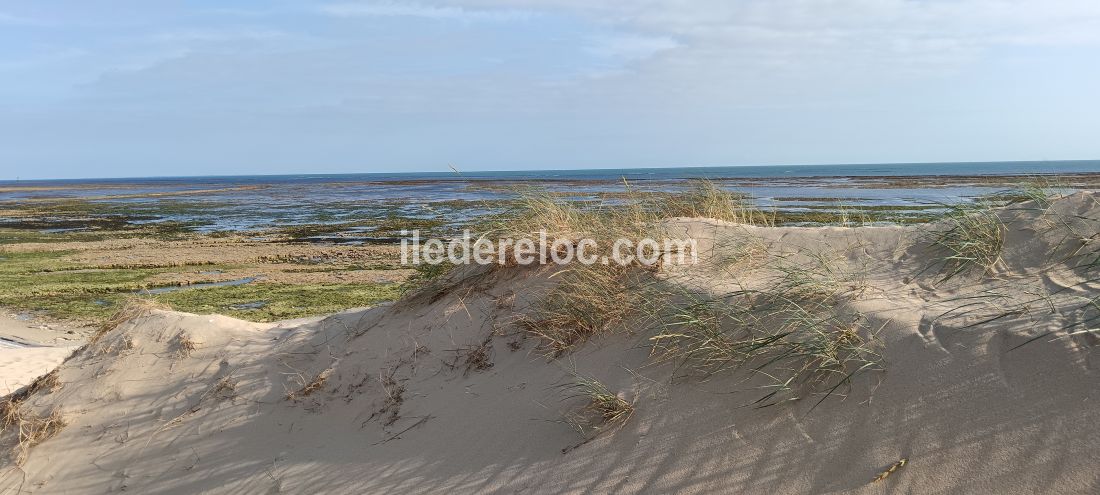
[477,358]
[127,343]
[185,345]
[132,308]
[587,300]
[312,386]
[603,410]
[394,397]
[10,412]
[636,215]
[591,299]
[34,429]
[225,388]
[11,406]
[707,200]
[890,470]
[50,382]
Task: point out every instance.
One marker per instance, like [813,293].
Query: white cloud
[632,47]
[393,9]
[808,30]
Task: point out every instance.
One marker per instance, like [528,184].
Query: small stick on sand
[897,465]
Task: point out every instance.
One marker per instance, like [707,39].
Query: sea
[256,202]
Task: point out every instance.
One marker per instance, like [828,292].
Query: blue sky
[141,88]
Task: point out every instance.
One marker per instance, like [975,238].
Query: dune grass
[1040,191]
[35,429]
[970,237]
[635,214]
[706,199]
[129,309]
[585,301]
[31,428]
[791,334]
[537,210]
[588,300]
[809,274]
[602,410]
[797,345]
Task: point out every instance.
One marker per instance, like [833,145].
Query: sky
[154,87]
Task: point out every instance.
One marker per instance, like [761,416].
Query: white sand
[971,413]
[19,367]
[29,349]
[16,332]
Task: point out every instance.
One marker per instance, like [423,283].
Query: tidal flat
[282,249]
[86,281]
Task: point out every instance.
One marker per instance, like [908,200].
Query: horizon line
[459,173]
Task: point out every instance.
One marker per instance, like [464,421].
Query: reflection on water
[174,288]
[264,202]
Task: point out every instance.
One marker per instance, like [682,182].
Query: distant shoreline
[358,205]
[900,169]
[77,184]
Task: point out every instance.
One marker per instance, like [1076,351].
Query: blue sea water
[264,201]
[663,173]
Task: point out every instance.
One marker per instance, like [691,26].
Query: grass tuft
[586,301]
[10,412]
[50,382]
[706,199]
[476,358]
[635,214]
[34,429]
[603,410]
[800,347]
[11,406]
[185,345]
[815,275]
[1040,191]
[972,238]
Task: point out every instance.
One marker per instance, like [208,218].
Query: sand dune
[982,389]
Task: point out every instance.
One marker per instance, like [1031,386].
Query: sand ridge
[982,388]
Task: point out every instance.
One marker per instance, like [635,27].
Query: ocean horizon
[258,202]
[903,169]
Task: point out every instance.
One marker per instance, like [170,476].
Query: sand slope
[178,403]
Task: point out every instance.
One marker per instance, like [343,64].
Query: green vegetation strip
[45,283]
[281,301]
